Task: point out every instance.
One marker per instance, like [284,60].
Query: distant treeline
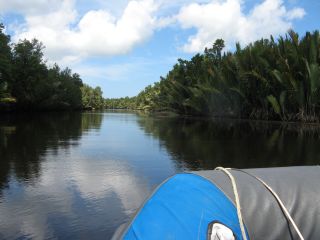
[26,82]
[268,79]
[121,103]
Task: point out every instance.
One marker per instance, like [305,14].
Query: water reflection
[67,175]
[76,201]
[25,139]
[81,175]
[205,144]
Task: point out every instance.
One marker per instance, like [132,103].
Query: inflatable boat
[231,204]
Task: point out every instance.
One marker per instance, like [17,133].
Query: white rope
[279,201]
[236,196]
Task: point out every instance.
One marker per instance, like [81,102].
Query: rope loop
[236,195]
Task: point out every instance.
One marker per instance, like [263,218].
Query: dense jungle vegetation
[268,79]
[26,82]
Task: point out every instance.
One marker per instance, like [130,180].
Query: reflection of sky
[88,190]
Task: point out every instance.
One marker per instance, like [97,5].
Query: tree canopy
[26,79]
[92,97]
[5,61]
[267,79]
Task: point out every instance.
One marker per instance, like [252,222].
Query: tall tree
[5,61]
[92,97]
[29,73]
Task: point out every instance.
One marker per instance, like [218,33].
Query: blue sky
[125,45]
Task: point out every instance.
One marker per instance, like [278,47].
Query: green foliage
[267,79]
[29,73]
[120,103]
[36,86]
[92,97]
[274,103]
[25,77]
[63,87]
[5,62]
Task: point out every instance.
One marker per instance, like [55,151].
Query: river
[81,175]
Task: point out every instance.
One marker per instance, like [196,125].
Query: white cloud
[68,37]
[296,13]
[227,20]
[116,27]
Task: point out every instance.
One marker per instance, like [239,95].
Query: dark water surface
[79,176]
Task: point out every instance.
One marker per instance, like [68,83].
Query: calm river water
[81,175]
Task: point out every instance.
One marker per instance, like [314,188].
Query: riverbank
[13,107]
[315,121]
[10,106]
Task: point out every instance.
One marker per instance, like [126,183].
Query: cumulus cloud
[227,20]
[69,37]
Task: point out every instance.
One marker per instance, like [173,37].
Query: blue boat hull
[184,206]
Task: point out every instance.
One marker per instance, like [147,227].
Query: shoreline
[14,109]
[208,117]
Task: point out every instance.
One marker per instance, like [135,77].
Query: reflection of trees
[91,120]
[206,144]
[24,140]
